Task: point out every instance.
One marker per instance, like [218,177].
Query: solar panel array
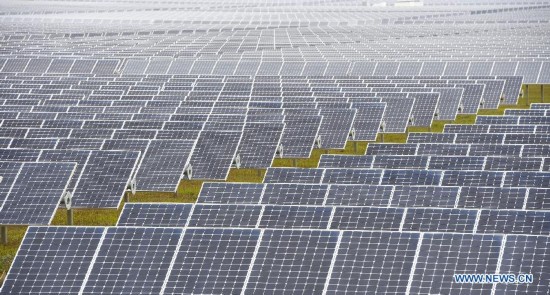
[96,96]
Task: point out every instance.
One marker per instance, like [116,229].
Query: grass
[188,190]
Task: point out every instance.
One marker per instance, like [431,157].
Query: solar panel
[225,215]
[367,120]
[401,162]
[163,165]
[456,163]
[212,261]
[53,260]
[491,198]
[439,220]
[294,194]
[352,176]
[526,179]
[411,177]
[214,153]
[306,217]
[514,222]
[104,179]
[300,135]
[472,178]
[424,109]
[397,114]
[424,196]
[336,127]
[259,144]
[127,253]
[34,192]
[229,193]
[367,218]
[364,258]
[345,161]
[293,175]
[441,256]
[391,149]
[513,164]
[537,198]
[307,253]
[154,215]
[525,255]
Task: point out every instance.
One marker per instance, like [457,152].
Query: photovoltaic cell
[440,220]
[39,268]
[359,195]
[154,215]
[128,253]
[514,222]
[424,196]
[526,255]
[441,256]
[212,261]
[491,197]
[367,218]
[373,262]
[293,175]
[294,194]
[307,253]
[36,192]
[225,215]
[163,164]
[230,193]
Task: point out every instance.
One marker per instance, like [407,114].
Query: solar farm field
[275,147]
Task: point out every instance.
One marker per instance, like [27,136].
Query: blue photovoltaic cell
[289,217]
[33,197]
[424,196]
[359,195]
[226,215]
[472,178]
[411,177]
[491,197]
[128,253]
[294,194]
[230,193]
[373,262]
[526,255]
[538,199]
[341,161]
[441,256]
[52,260]
[456,163]
[527,179]
[367,218]
[212,261]
[352,176]
[400,162]
[439,220]
[514,222]
[148,214]
[293,175]
[292,261]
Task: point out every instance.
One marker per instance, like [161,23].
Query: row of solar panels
[164,126]
[532,71]
[375,195]
[335,217]
[409,177]
[144,260]
[443,103]
[477,91]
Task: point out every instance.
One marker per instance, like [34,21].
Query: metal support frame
[70,217]
[4,234]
